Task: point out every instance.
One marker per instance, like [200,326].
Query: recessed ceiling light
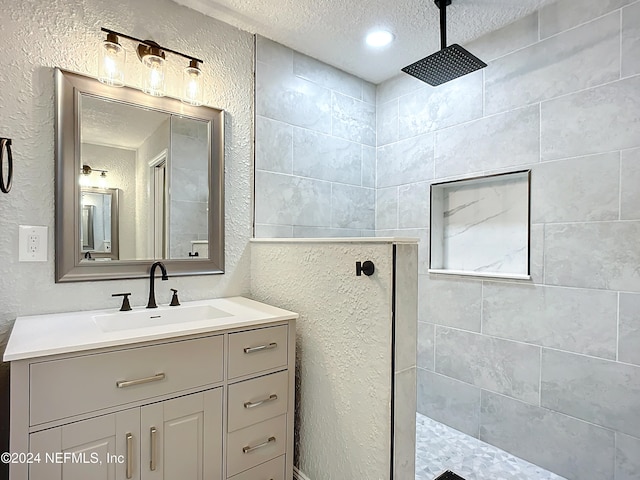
[379,38]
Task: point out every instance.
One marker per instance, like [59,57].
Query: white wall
[37,36]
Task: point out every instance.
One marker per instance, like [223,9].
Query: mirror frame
[69,87]
[115,220]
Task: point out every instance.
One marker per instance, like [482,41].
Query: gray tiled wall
[315,147]
[547,369]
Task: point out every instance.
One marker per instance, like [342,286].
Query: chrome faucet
[152,288]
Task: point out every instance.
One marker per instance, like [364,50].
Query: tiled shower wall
[547,369]
[315,147]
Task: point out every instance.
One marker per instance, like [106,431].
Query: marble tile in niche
[601,255]
[502,366]
[407,161]
[576,124]
[274,145]
[352,207]
[288,200]
[387,123]
[629,336]
[630,179]
[432,109]
[327,76]
[274,54]
[442,301]
[449,401]
[353,119]
[284,97]
[547,69]
[537,435]
[324,157]
[594,193]
[387,208]
[627,457]
[630,40]
[471,147]
[481,225]
[603,392]
[582,321]
[565,14]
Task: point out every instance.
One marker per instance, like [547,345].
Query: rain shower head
[447,64]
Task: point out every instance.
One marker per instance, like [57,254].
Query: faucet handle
[125,301]
[174,299]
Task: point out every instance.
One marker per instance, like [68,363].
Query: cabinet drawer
[272,470]
[253,401]
[256,444]
[72,386]
[257,350]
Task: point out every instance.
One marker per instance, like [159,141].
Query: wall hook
[5,144]
[366,267]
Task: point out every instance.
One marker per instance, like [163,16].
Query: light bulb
[154,80]
[193,83]
[111,61]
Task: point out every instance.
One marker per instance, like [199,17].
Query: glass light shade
[111,62]
[155,75]
[192,84]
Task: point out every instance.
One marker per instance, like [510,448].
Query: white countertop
[41,335]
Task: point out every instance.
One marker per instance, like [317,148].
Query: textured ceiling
[334,30]
[117,124]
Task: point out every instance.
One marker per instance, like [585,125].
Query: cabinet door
[101,448]
[182,438]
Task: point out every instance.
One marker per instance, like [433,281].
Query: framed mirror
[138,179]
[99,224]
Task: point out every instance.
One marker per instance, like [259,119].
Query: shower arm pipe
[442,5]
[151,44]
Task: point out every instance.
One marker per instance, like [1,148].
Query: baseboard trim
[298,475]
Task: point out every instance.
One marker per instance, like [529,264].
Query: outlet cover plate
[32,245]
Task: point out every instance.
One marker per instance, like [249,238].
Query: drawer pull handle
[260,348]
[154,439]
[257,404]
[129,455]
[140,381]
[248,449]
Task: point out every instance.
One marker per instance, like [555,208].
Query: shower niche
[480,226]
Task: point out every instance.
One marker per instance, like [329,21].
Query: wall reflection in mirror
[157,165]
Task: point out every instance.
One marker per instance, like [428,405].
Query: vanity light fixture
[86,172]
[153,57]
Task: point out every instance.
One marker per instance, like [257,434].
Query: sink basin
[113,322]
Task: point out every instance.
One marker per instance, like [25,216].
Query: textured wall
[343,351]
[315,147]
[37,36]
[546,369]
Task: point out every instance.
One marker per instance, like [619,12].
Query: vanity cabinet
[209,406]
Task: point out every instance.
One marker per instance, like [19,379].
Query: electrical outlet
[32,243]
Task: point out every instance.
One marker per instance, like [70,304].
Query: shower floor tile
[440,448]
